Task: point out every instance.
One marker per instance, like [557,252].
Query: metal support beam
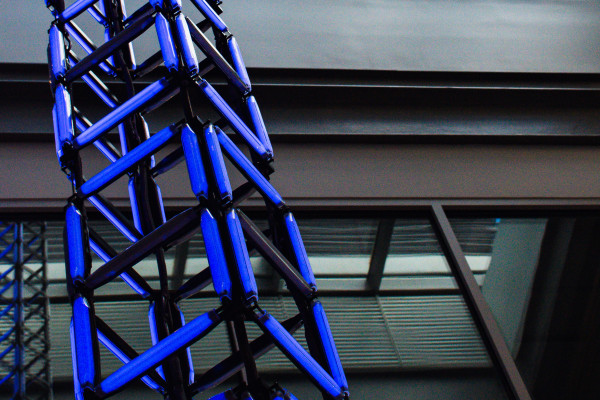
[482,315]
[381,248]
[181,255]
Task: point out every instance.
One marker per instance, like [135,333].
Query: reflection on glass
[543,287]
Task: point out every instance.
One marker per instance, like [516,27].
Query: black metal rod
[381,248]
[161,237]
[121,39]
[484,319]
[272,254]
[234,363]
[193,285]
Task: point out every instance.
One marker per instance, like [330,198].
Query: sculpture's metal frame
[24,311]
[228,233]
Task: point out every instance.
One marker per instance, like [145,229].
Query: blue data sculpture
[184,53]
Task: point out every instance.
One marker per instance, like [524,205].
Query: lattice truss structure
[24,334]
[228,233]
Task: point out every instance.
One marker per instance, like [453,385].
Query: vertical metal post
[482,315]
[18,316]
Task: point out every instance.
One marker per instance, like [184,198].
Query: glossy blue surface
[299,250]
[217,163]
[238,61]
[58,61]
[209,13]
[216,256]
[86,369]
[333,358]
[193,159]
[248,170]
[165,39]
[123,111]
[118,168]
[236,122]
[179,339]
[259,124]
[242,259]
[187,46]
[298,355]
[75,243]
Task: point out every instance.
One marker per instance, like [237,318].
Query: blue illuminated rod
[167,47]
[210,14]
[154,333]
[75,9]
[58,60]
[238,61]
[188,351]
[104,256]
[132,105]
[183,337]
[77,386]
[292,349]
[118,168]
[331,353]
[74,234]
[234,120]
[217,164]
[242,260]
[87,372]
[249,170]
[300,256]
[194,162]
[258,123]
[216,256]
[121,225]
[187,46]
[63,118]
[113,348]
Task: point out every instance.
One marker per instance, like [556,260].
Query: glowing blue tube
[86,369]
[75,244]
[86,43]
[259,124]
[97,15]
[118,168]
[179,339]
[156,3]
[101,90]
[236,122]
[331,353]
[64,115]
[5,311]
[241,257]
[124,359]
[75,9]
[116,221]
[166,43]
[248,170]
[123,111]
[154,334]
[125,276]
[238,61]
[210,14]
[298,355]
[161,204]
[216,256]
[194,162]
[217,164]
[175,4]
[58,60]
[189,353]
[134,205]
[299,250]
[76,384]
[187,46]
[57,142]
